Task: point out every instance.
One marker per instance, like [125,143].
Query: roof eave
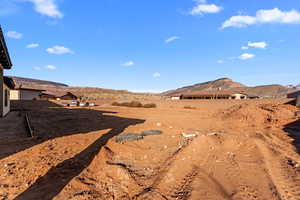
[8,64]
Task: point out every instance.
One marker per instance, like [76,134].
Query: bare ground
[245,150]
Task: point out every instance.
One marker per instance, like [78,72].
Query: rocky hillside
[226,84]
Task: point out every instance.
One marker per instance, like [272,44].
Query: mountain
[226,84]
[219,84]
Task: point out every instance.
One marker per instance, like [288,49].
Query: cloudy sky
[153,45]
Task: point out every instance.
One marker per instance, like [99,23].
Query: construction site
[149,100]
[216,150]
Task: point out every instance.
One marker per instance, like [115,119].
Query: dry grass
[150,105]
[189,107]
[134,104]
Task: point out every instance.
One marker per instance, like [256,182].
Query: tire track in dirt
[161,173]
[288,189]
[283,147]
[179,185]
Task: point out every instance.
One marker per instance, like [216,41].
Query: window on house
[6,98]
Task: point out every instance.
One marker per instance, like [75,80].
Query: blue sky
[153,45]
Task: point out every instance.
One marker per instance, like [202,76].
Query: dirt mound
[259,114]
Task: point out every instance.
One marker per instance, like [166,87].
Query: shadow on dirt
[51,121]
[293,130]
[292,101]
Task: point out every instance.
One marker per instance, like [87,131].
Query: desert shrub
[134,104]
[150,105]
[189,107]
[115,104]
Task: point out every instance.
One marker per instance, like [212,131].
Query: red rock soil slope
[245,150]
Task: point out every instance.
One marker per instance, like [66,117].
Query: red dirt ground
[245,150]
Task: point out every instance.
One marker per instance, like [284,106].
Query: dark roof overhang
[5,60]
[9,82]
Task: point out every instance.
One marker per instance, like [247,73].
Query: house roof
[57,94]
[69,94]
[294,94]
[9,82]
[4,55]
[30,89]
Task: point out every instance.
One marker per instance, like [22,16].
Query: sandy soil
[245,150]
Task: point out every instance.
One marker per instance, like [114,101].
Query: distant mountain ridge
[227,84]
[90,92]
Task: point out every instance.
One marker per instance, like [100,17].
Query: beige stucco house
[5,83]
[25,94]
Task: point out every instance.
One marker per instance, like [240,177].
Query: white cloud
[47,7]
[32,46]
[260,45]
[244,47]
[156,75]
[246,56]
[14,35]
[128,64]
[220,61]
[58,50]
[171,39]
[37,68]
[50,67]
[262,17]
[201,9]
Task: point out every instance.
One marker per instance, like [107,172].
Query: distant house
[48,96]
[210,95]
[176,97]
[5,83]
[69,96]
[25,94]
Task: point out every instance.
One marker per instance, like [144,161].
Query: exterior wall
[14,95]
[1,91]
[6,102]
[175,98]
[239,96]
[29,95]
[298,101]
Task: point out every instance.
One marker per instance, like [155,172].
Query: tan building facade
[25,94]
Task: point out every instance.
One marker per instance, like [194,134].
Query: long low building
[210,95]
